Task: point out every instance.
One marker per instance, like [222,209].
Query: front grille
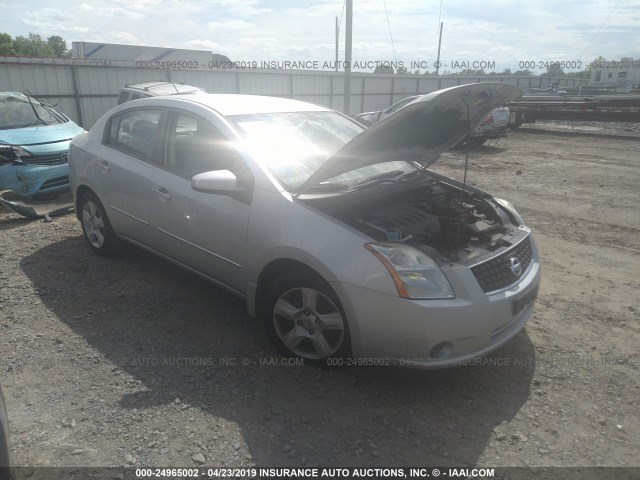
[55,183]
[54,159]
[498,273]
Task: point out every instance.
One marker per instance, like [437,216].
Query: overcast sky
[503,31]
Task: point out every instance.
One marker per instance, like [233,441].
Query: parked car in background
[493,126]
[155,89]
[338,237]
[6,470]
[34,141]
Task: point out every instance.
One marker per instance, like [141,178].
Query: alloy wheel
[308,323]
[93,224]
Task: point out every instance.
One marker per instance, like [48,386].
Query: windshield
[293,145]
[17,112]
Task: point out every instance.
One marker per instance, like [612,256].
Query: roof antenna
[174,86]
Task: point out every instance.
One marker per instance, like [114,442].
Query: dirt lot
[129,361]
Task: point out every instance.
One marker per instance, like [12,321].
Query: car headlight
[511,210]
[10,153]
[414,273]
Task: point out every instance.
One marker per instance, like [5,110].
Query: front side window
[195,146]
[134,132]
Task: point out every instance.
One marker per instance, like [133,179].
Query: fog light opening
[441,350]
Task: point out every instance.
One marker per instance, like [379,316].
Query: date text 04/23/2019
[308,472]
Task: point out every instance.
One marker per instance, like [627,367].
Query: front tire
[96,227]
[304,319]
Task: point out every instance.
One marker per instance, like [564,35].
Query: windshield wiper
[392,177]
[395,176]
[48,108]
[324,187]
[35,112]
[381,176]
[412,175]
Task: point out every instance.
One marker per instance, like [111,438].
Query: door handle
[162,193]
[104,166]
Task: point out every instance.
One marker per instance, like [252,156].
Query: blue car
[34,141]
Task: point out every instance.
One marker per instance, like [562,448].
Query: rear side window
[134,132]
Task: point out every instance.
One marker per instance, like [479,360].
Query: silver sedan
[340,239]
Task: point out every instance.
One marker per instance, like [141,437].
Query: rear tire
[96,227]
[304,319]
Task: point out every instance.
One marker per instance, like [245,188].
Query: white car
[338,238]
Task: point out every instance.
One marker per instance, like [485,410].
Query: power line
[342,14]
[390,34]
[600,28]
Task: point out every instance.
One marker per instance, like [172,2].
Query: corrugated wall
[86,92]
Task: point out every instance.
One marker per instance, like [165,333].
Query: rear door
[204,231]
[133,149]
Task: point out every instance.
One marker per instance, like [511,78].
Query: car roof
[163,88]
[239,104]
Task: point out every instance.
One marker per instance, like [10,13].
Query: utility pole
[337,41]
[439,43]
[347,59]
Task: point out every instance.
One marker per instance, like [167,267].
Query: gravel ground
[130,361]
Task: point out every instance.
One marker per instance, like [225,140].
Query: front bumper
[438,333]
[30,180]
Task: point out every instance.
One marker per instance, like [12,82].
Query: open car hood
[420,131]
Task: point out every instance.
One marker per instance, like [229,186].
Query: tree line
[33,45]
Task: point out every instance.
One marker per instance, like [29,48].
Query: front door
[204,231]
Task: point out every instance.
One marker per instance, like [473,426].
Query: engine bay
[440,219]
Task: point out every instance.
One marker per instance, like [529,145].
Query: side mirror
[217,181]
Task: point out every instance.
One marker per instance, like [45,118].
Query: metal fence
[85,90]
